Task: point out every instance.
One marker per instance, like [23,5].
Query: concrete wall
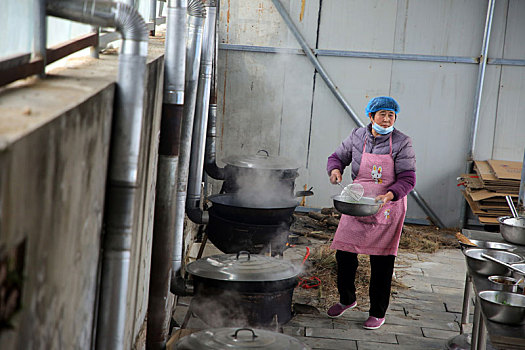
[276,102]
[54,142]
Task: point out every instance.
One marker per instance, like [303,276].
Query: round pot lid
[238,338]
[261,160]
[243,267]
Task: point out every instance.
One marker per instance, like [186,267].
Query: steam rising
[262,188]
[221,310]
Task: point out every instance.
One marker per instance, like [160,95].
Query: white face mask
[383,131]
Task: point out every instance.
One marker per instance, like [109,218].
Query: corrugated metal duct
[169,147]
[123,178]
[196,15]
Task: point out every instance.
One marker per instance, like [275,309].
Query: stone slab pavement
[423,316]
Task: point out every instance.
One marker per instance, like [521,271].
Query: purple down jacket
[351,150]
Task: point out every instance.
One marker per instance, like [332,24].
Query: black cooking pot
[245,172]
[253,210]
[230,236]
[237,290]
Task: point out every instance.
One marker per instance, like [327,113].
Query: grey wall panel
[447,27]
[487,115]
[250,103]
[271,113]
[358,25]
[432,96]
[264,99]
[294,133]
[515,31]
[16,35]
[509,140]
[358,80]
[259,23]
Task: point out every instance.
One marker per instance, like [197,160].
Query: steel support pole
[335,90]
[40,34]
[476,323]
[482,337]
[465,311]
[477,103]
[521,199]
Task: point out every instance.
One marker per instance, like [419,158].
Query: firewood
[316,215]
[332,221]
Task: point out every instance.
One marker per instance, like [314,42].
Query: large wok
[254,210]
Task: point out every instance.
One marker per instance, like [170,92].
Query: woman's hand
[385,198]
[335,176]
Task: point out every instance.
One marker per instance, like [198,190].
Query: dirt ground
[318,229]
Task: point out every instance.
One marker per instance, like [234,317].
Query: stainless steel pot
[243,289]
[253,173]
[512,229]
[238,338]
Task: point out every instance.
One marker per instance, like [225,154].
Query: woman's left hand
[385,198]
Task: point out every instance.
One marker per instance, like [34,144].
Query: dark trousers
[382,267]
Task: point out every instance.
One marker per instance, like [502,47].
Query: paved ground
[421,317]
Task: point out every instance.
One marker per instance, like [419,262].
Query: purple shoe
[338,309]
[373,322]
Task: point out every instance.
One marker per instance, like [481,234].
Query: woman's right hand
[335,176]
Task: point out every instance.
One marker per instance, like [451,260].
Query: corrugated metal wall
[275,102]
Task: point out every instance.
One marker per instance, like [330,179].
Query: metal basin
[503,283]
[489,245]
[503,307]
[520,266]
[512,229]
[482,266]
[366,206]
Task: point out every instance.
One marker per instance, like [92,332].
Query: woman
[383,161]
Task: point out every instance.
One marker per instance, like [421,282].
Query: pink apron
[376,234]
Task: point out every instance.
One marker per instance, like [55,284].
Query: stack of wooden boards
[485,190]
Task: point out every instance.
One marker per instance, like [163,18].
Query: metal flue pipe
[40,33]
[123,172]
[169,146]
[335,90]
[193,210]
[153,15]
[210,157]
[196,15]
